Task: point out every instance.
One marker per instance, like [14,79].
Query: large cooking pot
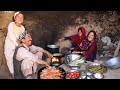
[113,63]
[53,48]
[65,51]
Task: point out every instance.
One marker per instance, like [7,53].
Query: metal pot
[53,48]
[56,64]
[65,51]
[113,63]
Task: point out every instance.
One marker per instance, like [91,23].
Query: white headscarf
[16,14]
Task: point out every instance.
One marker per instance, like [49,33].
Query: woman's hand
[62,39]
[72,49]
[76,52]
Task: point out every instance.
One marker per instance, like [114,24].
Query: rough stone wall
[52,25]
[5,19]
[47,27]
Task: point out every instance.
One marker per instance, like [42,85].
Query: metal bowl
[74,67]
[55,64]
[73,57]
[72,71]
[113,63]
[98,76]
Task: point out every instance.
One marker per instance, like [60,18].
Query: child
[14,30]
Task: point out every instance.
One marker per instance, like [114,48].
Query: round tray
[38,74]
[88,67]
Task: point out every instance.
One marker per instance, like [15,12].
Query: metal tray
[38,74]
[89,66]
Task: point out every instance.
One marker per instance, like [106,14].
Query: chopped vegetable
[77,62]
[51,73]
[74,74]
[97,69]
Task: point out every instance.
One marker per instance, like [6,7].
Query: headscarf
[85,43]
[76,38]
[16,14]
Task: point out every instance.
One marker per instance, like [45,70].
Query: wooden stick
[117,49]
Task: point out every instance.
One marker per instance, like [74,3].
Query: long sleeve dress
[11,42]
[88,48]
[76,39]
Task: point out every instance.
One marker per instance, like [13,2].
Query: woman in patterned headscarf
[88,46]
[12,40]
[77,38]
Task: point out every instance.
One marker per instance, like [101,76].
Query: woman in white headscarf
[12,40]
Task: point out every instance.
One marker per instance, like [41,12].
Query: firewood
[117,49]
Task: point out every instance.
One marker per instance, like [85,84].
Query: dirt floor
[4,72]
[110,74]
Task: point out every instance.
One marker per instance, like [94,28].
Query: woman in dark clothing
[88,46]
[76,39]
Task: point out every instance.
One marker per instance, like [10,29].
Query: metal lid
[53,46]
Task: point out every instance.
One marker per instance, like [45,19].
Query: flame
[54,59]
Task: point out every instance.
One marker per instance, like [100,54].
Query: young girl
[12,40]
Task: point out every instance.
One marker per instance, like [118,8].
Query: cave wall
[46,27]
[5,19]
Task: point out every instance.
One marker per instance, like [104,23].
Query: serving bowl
[72,74]
[98,76]
[72,57]
[74,61]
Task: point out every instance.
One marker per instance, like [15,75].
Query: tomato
[51,73]
[74,74]
[78,74]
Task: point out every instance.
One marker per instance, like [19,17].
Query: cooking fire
[55,59]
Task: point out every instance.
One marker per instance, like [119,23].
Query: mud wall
[46,27]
